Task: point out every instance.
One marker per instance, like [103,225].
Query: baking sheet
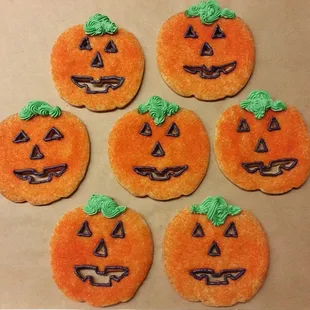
[28,30]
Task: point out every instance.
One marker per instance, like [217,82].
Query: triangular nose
[206,50]
[214,249]
[101,249]
[36,153]
[261,146]
[97,61]
[158,150]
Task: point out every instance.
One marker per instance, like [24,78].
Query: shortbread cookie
[159,150]
[97,65]
[101,253]
[263,144]
[206,52]
[44,154]
[216,253]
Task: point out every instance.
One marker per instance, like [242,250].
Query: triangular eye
[173,130]
[84,230]
[198,231]
[190,33]
[231,231]
[243,126]
[146,130]
[118,231]
[111,47]
[21,137]
[85,44]
[218,33]
[274,125]
[53,134]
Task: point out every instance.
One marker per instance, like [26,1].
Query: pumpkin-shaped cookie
[206,52]
[44,154]
[99,66]
[159,150]
[101,253]
[263,144]
[216,253]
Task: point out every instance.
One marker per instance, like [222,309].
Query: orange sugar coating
[73,150]
[182,252]
[67,249]
[174,51]
[291,141]
[128,148]
[68,60]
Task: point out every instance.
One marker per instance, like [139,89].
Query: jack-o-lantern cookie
[97,65]
[206,52]
[101,253]
[216,253]
[263,144]
[159,150]
[44,154]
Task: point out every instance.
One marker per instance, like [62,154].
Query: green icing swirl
[209,12]
[216,209]
[36,107]
[259,101]
[226,13]
[158,109]
[105,204]
[99,24]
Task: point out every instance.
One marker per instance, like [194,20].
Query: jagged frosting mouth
[160,175]
[213,278]
[100,278]
[34,177]
[274,168]
[212,72]
[100,86]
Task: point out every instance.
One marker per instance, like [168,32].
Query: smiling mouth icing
[100,86]
[100,278]
[34,177]
[213,278]
[274,168]
[212,72]
[160,175]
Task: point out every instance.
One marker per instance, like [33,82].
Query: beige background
[29,28]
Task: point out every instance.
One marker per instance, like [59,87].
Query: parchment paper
[281,30]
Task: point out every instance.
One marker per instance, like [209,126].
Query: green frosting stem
[105,204]
[209,12]
[37,107]
[216,209]
[158,109]
[99,24]
[259,101]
